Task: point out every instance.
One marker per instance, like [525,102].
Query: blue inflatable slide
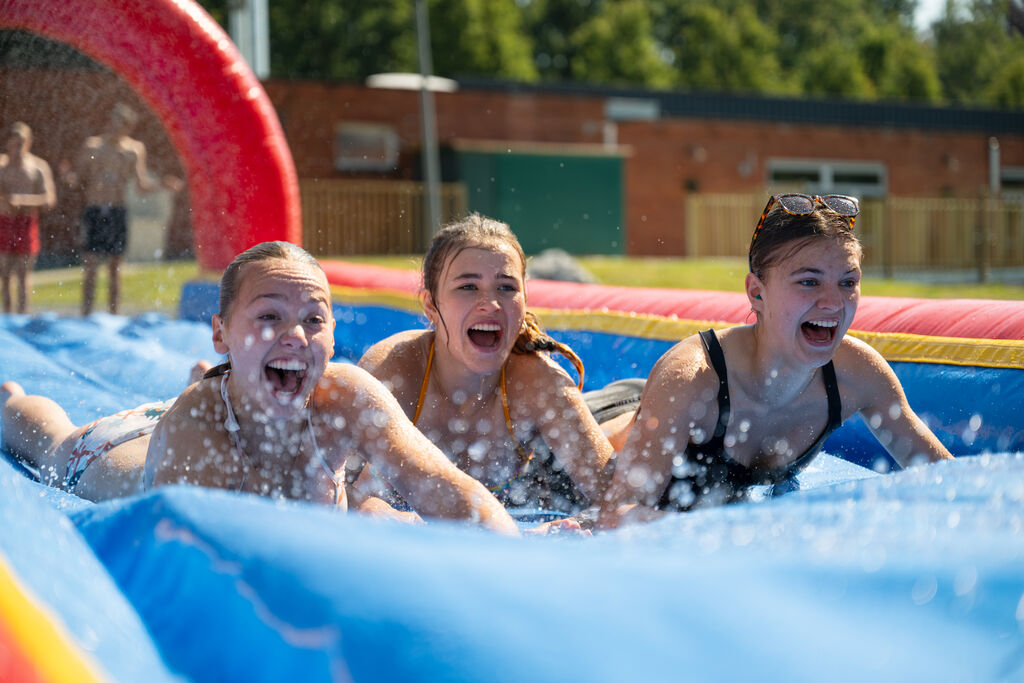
[915,575]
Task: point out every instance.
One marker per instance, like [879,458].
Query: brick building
[557,162]
[673,145]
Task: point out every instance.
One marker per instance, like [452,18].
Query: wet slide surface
[912,575]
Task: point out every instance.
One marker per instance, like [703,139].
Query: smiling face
[808,298]
[279,334]
[479,306]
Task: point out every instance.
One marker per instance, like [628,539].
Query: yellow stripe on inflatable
[916,348]
[894,346]
[42,640]
[376,297]
[643,325]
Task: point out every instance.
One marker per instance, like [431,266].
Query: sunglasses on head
[797,204]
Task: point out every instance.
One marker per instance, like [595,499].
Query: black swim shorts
[106,229]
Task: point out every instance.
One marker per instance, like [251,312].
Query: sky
[927,12]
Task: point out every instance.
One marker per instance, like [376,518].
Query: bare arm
[668,413]
[407,459]
[881,401]
[556,406]
[142,180]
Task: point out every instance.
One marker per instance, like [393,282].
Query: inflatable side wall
[961,362]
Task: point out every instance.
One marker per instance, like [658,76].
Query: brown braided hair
[476,230]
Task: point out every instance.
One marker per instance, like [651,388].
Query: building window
[1012,180]
[365,147]
[813,176]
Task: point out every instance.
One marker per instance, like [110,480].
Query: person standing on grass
[105,167]
[26,186]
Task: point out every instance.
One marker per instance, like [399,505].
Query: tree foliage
[859,49]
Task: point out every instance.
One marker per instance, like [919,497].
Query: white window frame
[1014,174]
[378,136]
[826,171]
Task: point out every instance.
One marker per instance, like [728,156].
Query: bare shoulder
[343,386]
[681,376]
[199,405]
[38,163]
[857,360]
[864,376]
[684,362]
[398,355]
[186,435]
[537,368]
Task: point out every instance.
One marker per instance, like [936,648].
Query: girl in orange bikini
[481,383]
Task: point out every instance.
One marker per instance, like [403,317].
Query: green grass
[157,287]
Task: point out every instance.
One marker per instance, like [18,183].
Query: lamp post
[431,158]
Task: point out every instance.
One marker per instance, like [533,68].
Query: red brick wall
[669,158]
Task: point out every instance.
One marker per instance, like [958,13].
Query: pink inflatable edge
[964,318]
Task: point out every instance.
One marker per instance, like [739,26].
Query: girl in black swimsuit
[754,404]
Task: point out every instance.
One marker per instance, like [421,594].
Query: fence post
[886,239]
[981,239]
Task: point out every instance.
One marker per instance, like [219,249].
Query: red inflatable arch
[241,176]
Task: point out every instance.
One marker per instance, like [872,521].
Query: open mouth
[285,376]
[485,335]
[820,332]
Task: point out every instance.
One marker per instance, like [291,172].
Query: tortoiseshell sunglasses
[797,204]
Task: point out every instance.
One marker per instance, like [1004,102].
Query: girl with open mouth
[753,405]
[481,383]
[274,420]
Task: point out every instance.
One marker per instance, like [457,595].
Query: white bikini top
[231,424]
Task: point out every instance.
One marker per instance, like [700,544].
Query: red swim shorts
[19,234]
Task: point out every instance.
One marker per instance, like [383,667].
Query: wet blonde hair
[476,231]
[231,280]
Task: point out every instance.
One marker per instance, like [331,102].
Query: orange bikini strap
[423,386]
[526,457]
[504,402]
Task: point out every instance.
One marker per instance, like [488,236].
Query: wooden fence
[897,233]
[349,217]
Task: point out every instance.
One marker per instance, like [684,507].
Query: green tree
[480,38]
[972,46]
[351,39]
[1007,87]
[720,48]
[552,24]
[835,71]
[616,46]
[341,40]
[900,67]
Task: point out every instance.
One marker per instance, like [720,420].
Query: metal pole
[261,39]
[431,161]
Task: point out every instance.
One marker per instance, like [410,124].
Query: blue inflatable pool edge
[851,575]
[802,586]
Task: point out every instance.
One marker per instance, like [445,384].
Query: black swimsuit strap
[717,356]
[835,404]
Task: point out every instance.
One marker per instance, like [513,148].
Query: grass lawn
[157,286]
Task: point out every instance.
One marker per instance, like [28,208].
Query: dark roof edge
[786,110]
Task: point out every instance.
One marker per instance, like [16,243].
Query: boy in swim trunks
[26,186]
[107,164]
